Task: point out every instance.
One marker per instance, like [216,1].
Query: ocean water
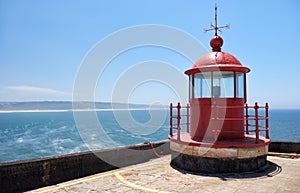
[39,134]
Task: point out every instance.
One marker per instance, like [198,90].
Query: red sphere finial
[216,43]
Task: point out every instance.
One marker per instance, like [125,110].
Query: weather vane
[216,27]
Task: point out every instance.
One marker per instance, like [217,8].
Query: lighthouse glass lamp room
[226,84]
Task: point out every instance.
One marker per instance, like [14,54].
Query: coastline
[75,110]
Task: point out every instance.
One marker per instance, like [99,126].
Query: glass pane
[223,84]
[202,85]
[239,85]
[205,85]
[197,86]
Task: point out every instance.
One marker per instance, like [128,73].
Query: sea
[27,135]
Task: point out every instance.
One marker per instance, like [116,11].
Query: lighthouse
[218,131]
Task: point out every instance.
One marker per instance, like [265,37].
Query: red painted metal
[206,117]
[177,116]
[189,86]
[234,85]
[221,67]
[188,118]
[216,122]
[216,134]
[193,86]
[218,58]
[217,61]
[171,120]
[245,88]
[216,43]
[223,114]
[247,116]
[267,121]
[178,121]
[256,107]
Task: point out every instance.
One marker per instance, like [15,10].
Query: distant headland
[57,106]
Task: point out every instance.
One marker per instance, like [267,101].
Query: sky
[43,45]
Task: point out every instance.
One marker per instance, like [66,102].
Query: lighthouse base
[216,165]
[241,155]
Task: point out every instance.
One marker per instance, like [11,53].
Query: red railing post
[267,121]
[256,107]
[247,121]
[187,118]
[171,120]
[178,121]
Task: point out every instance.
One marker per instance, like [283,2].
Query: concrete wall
[36,173]
[284,147]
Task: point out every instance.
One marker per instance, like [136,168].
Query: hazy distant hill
[63,105]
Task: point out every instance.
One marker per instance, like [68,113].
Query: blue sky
[42,45]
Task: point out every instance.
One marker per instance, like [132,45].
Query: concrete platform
[281,174]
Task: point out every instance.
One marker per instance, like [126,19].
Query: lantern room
[219,79]
[217,75]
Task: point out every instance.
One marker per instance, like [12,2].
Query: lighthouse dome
[216,57]
[217,60]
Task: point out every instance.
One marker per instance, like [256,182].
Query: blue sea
[26,135]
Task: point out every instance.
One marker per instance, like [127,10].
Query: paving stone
[280,175]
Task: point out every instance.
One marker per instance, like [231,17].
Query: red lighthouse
[218,121]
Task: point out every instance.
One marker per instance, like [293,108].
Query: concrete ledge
[35,173]
[284,147]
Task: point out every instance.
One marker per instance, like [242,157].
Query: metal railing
[177,118]
[250,120]
[256,118]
